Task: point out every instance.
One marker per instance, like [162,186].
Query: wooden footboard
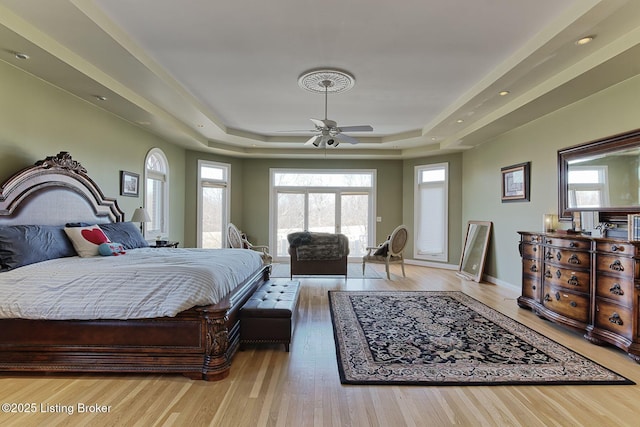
[199,342]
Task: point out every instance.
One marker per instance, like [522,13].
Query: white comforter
[143,283]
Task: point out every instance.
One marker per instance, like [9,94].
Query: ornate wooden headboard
[55,191]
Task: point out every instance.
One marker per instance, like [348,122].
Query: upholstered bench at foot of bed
[269,314]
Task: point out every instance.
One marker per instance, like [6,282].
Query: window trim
[273,192]
[151,174]
[225,183]
[417,214]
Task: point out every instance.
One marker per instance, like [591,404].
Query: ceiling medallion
[322,80]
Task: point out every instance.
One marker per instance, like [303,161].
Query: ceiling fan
[329,134]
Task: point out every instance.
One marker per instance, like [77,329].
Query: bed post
[217,360]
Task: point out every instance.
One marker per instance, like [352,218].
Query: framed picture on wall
[515,183]
[129,184]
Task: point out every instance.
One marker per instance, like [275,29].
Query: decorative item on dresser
[585,283]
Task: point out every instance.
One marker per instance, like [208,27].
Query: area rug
[354,271]
[447,338]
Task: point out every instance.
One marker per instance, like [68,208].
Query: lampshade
[140,215]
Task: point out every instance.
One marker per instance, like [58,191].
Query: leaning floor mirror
[474,251]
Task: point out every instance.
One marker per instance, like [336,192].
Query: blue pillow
[126,233]
[27,244]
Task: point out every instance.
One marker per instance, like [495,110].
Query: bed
[197,341]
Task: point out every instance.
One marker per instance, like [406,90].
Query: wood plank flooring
[269,387]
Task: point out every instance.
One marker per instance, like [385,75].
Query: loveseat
[318,253]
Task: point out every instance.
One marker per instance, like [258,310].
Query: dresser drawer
[568,304]
[530,251]
[614,318]
[530,238]
[531,288]
[616,248]
[568,243]
[617,265]
[575,280]
[568,258]
[531,267]
[613,288]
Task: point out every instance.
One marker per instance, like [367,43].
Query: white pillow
[86,240]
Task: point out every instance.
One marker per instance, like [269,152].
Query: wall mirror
[602,176]
[474,251]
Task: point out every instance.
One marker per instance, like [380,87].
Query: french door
[346,209]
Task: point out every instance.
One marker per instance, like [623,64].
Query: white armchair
[237,240]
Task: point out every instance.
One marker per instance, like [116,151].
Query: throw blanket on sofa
[318,246]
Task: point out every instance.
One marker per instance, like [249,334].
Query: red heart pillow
[86,240]
[94,235]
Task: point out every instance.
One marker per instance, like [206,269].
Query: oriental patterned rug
[447,338]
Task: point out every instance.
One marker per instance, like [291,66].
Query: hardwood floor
[269,387]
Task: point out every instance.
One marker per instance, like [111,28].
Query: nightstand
[163,244]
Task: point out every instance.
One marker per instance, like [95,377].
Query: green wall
[394,198]
[39,120]
[608,112]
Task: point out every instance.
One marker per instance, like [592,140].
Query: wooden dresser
[589,284]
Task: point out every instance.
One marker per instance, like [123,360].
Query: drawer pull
[547,297]
[533,268]
[616,289]
[548,255]
[557,296]
[573,259]
[558,274]
[559,255]
[615,319]
[616,266]
[534,249]
[572,244]
[547,274]
[573,304]
[533,287]
[547,241]
[615,248]
[573,281]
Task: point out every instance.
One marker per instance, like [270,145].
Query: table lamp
[140,215]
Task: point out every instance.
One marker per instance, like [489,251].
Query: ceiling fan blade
[361,128]
[346,138]
[313,140]
[319,123]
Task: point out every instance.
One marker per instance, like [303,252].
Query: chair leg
[387,268]
[402,264]
[363,268]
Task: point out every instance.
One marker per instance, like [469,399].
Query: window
[323,201]
[588,187]
[157,193]
[213,203]
[431,197]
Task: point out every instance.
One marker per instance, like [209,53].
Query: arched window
[157,193]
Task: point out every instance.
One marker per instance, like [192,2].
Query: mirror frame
[477,275]
[610,144]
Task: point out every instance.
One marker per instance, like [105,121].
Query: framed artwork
[129,184]
[515,183]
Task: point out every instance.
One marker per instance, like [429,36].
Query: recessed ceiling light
[459,121]
[585,40]
[100,97]
[20,55]
[504,93]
